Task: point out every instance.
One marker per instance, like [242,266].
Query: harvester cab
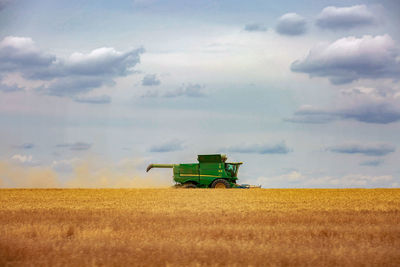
[212,171]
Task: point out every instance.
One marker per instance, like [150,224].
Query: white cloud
[102,61]
[65,165]
[351,181]
[296,179]
[22,158]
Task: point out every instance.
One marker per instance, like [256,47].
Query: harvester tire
[220,183]
[189,185]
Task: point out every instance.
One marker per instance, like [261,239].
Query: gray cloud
[189,90]
[255,27]
[363,108]
[4,3]
[79,73]
[21,54]
[371,163]
[365,149]
[173,145]
[75,146]
[150,80]
[349,59]
[279,148]
[345,17]
[312,115]
[102,99]
[71,86]
[10,88]
[151,94]
[291,24]
[25,146]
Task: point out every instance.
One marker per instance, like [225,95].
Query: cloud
[312,115]
[173,145]
[291,24]
[76,146]
[102,99]
[150,80]
[365,149]
[290,179]
[25,146]
[352,181]
[151,94]
[76,74]
[10,88]
[21,54]
[65,165]
[368,105]
[255,27]
[345,17]
[296,179]
[22,158]
[5,3]
[372,163]
[279,148]
[374,113]
[72,86]
[350,58]
[102,61]
[189,90]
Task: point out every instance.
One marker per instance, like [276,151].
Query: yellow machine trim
[199,175]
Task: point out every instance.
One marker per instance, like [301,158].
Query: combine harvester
[212,171]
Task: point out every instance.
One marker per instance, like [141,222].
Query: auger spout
[159,166]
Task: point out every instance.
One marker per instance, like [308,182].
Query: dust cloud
[89,173]
[121,175]
[18,176]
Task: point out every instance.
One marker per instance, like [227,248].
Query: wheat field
[178,227]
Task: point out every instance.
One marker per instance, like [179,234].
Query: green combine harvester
[212,171]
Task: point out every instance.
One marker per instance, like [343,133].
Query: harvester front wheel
[220,183]
[189,185]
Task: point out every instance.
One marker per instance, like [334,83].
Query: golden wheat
[169,227]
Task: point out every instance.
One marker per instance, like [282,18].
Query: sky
[305,93]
